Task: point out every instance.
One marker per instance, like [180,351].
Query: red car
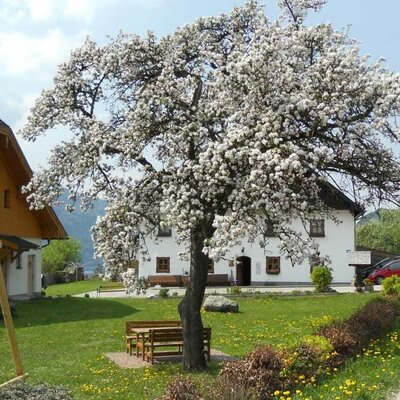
[391,268]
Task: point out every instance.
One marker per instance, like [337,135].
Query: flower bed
[269,372]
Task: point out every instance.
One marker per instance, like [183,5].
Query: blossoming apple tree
[230,123]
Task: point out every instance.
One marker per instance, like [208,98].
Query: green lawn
[63,340]
[71,288]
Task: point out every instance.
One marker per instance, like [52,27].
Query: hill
[78,224]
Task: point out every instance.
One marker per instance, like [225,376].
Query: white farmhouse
[249,264]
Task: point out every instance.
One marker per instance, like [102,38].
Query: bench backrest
[129,325]
[173,335]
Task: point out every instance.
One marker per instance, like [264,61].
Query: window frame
[269,230]
[317,227]
[210,266]
[167,232]
[159,265]
[7,198]
[273,269]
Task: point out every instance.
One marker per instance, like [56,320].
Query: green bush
[22,391]
[163,292]
[321,277]
[391,286]
[308,357]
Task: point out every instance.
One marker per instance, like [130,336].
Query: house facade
[248,264]
[22,231]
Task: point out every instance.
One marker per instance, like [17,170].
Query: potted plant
[369,285]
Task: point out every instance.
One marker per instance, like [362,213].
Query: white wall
[338,240]
[18,278]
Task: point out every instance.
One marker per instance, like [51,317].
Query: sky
[37,35]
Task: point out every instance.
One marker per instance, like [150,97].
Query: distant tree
[60,253]
[228,125]
[383,234]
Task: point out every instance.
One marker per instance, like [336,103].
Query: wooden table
[143,333]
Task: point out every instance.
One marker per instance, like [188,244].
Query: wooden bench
[110,288]
[218,280]
[164,280]
[132,337]
[172,340]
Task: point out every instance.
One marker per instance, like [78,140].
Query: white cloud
[83,9]
[22,53]
[41,10]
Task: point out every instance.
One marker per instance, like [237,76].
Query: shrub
[22,391]
[321,277]
[181,389]
[371,321]
[391,286]
[340,338]
[235,290]
[259,371]
[307,358]
[163,292]
[225,388]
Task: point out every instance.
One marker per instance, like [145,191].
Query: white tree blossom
[227,124]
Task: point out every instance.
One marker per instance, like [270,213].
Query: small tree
[60,253]
[321,277]
[231,124]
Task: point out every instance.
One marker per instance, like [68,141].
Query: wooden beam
[18,378]
[12,338]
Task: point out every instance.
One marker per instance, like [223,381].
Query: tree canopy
[60,253]
[381,234]
[230,123]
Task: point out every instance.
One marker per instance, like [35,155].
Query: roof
[335,198]
[22,174]
[18,244]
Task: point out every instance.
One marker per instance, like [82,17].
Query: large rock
[221,304]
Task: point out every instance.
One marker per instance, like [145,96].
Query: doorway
[243,271]
[31,273]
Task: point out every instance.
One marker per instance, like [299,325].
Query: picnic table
[163,340]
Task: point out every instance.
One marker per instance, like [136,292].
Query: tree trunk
[189,308]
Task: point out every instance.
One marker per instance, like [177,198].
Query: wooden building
[22,231]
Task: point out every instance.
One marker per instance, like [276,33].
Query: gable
[16,218]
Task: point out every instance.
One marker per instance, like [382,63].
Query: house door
[243,271]
[31,273]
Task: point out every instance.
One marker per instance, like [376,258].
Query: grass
[72,288]
[63,341]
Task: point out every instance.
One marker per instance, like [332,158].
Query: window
[210,266]
[6,198]
[273,265]
[162,264]
[395,265]
[317,227]
[269,231]
[164,232]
